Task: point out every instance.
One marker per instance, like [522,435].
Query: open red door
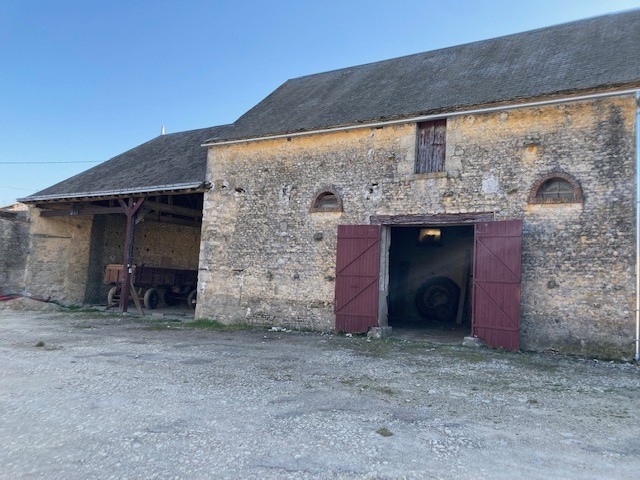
[496,282]
[357,274]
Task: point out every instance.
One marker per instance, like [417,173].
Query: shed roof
[168,162]
[590,54]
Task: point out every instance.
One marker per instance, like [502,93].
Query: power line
[44,163]
[18,188]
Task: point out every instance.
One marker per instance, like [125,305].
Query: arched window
[326,200]
[556,187]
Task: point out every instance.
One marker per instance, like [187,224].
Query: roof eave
[172,189]
[555,97]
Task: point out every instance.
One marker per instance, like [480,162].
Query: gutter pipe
[106,193]
[612,93]
[636,358]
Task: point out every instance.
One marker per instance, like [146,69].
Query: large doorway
[419,276]
[430,281]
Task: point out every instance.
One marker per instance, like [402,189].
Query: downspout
[636,358]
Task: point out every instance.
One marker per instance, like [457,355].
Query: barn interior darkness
[430,278]
[167,240]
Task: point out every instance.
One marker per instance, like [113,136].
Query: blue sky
[82,81]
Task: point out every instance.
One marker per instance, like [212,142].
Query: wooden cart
[148,282]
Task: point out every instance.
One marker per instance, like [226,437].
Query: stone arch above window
[326,200]
[556,187]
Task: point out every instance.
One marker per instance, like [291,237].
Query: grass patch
[210,324]
[88,310]
[470,356]
[537,364]
[198,324]
[92,315]
[205,324]
[76,308]
[377,349]
[386,390]
[353,382]
[385,432]
[350,382]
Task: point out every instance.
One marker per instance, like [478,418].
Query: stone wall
[14,247]
[271,261]
[67,255]
[155,245]
[58,259]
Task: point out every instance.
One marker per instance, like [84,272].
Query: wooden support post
[136,300]
[464,286]
[130,210]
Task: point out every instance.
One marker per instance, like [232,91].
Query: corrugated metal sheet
[497,270]
[357,275]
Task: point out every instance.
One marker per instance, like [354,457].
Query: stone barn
[487,189]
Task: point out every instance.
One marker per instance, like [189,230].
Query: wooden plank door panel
[357,277]
[496,280]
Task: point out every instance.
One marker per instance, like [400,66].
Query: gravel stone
[109,397]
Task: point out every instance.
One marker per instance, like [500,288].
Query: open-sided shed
[143,207]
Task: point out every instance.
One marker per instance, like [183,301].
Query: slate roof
[583,55]
[167,162]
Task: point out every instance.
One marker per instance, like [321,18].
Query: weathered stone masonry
[67,256]
[266,259]
[58,257]
[14,248]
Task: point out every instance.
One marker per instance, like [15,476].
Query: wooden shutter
[496,281]
[357,274]
[431,146]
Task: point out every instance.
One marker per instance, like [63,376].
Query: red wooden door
[357,274]
[496,282]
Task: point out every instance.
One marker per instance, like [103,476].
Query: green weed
[211,324]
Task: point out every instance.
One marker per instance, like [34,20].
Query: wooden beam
[173,220]
[130,209]
[81,211]
[173,209]
[169,192]
[438,219]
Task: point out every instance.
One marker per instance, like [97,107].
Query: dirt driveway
[102,398]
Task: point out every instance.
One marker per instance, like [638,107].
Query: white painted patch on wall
[284,195]
[490,184]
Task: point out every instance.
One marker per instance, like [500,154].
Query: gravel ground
[107,398]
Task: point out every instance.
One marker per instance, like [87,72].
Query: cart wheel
[192,299]
[111,296]
[151,298]
[170,297]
